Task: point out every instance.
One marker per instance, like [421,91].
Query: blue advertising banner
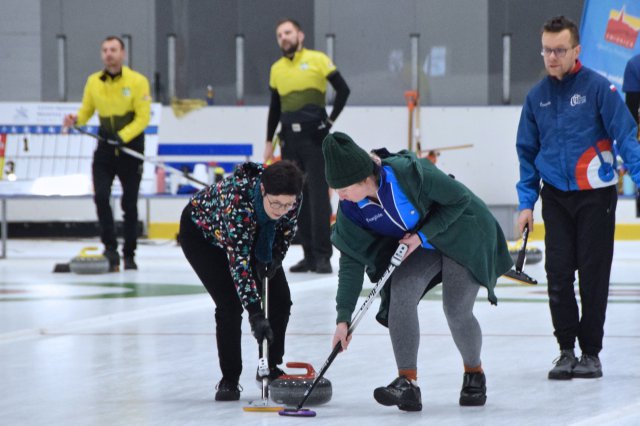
[609,36]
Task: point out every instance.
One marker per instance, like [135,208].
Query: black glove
[260,327]
[268,270]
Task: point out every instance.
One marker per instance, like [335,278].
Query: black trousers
[579,235]
[305,149]
[212,267]
[106,166]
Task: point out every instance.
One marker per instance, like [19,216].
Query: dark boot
[114,259]
[589,367]
[400,392]
[323,266]
[305,265]
[564,365]
[130,263]
[474,390]
[228,390]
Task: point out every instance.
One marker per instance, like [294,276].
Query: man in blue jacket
[631,89]
[566,134]
[631,86]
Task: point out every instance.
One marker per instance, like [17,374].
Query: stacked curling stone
[87,263]
[289,389]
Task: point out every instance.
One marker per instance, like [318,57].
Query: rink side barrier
[182,155]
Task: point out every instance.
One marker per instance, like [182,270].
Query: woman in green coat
[383,198]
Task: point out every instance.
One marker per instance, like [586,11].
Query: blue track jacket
[393,216]
[566,135]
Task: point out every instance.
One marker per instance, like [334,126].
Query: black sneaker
[305,265]
[474,390]
[130,263]
[323,266]
[274,373]
[589,367]
[564,365]
[114,259]
[227,390]
[401,392]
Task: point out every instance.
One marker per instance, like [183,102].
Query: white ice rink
[138,348]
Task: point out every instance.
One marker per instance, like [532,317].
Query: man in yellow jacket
[298,85]
[122,99]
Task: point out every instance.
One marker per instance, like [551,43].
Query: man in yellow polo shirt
[122,98]
[298,84]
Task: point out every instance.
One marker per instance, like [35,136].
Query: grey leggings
[459,291]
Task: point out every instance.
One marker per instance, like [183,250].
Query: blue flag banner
[609,37]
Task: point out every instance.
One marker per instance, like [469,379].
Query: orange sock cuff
[411,374]
[477,369]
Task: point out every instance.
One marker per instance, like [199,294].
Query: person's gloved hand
[268,270]
[260,327]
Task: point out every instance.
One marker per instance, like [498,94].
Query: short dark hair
[293,21]
[112,37]
[282,178]
[561,23]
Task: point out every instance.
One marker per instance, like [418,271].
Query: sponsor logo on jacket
[578,99]
[373,218]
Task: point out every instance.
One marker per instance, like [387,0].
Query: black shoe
[114,259]
[400,392]
[564,365]
[130,263]
[274,373]
[323,266]
[589,367]
[474,390]
[305,265]
[227,390]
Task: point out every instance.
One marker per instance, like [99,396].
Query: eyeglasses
[560,52]
[277,205]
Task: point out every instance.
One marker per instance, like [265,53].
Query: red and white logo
[588,174]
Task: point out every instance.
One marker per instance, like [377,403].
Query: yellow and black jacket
[301,83]
[123,103]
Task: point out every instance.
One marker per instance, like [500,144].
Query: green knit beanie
[345,163]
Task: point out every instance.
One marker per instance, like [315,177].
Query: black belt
[308,126]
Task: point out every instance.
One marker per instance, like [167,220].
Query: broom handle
[396,260]
[522,254]
[265,344]
[141,157]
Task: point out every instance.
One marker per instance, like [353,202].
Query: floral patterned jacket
[226,215]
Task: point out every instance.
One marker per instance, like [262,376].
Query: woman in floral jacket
[234,233]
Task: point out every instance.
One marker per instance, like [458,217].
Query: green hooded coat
[459,225]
